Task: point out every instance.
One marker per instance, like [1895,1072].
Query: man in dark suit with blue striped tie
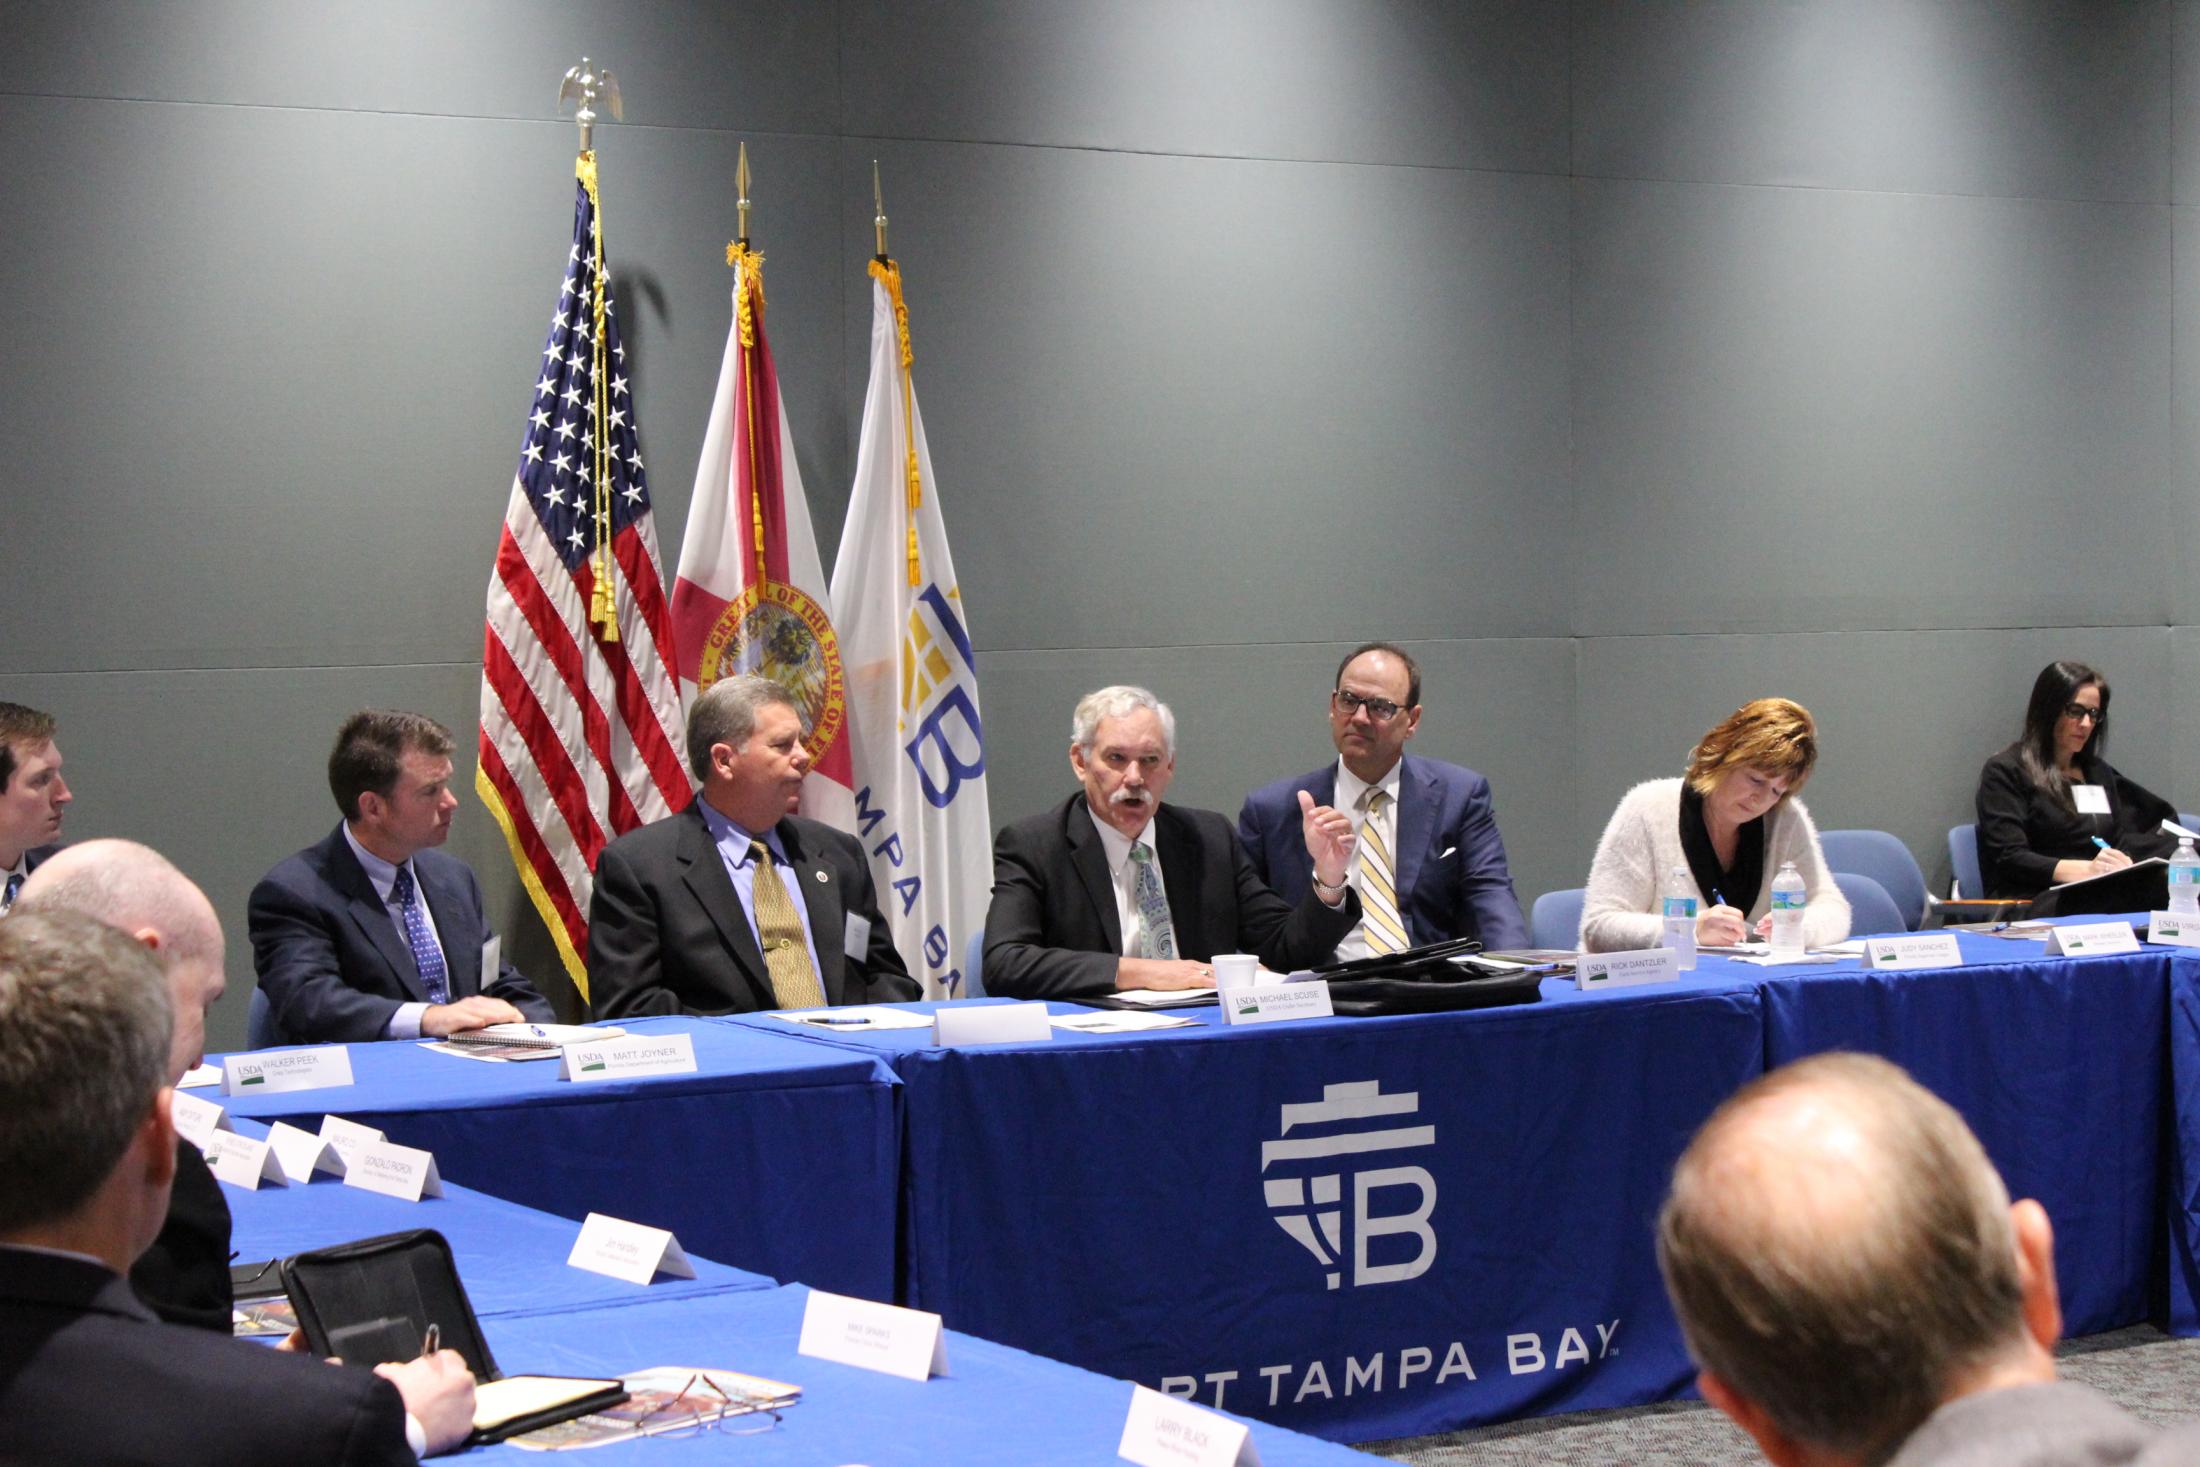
[32,795]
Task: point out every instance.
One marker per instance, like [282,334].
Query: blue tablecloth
[510,1258]
[1473,1244]
[2181,1182]
[2061,1066]
[776,1155]
[994,1404]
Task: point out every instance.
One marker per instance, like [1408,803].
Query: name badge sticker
[1925,950]
[1162,1431]
[1593,971]
[629,1251]
[855,939]
[263,1072]
[882,1337]
[2092,799]
[397,1171]
[620,1059]
[2088,938]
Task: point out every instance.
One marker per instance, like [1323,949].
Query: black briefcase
[1439,978]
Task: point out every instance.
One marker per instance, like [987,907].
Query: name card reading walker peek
[1625,970]
[870,1336]
[1162,1431]
[620,1059]
[629,1251]
[270,1070]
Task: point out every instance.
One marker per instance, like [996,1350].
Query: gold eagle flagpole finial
[590,83]
[878,202]
[741,190]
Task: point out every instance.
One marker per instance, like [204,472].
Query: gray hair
[1840,1265]
[1117,701]
[725,713]
[87,1016]
[129,886]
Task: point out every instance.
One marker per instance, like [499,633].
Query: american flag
[581,729]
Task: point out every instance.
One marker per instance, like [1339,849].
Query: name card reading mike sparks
[1625,970]
[397,1171]
[1162,1431]
[266,1071]
[1926,950]
[882,1337]
[2084,939]
[619,1059]
[629,1251]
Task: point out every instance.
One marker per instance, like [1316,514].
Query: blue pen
[2101,843]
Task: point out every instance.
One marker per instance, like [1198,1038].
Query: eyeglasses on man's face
[1382,710]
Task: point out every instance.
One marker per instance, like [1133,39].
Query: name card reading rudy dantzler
[1593,971]
[621,1059]
[1162,1431]
[629,1251]
[871,1336]
[266,1071]
[1925,950]
[2084,939]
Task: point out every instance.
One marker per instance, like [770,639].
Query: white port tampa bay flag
[750,594]
[913,719]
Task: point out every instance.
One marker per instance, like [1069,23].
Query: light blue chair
[1877,854]
[259,1023]
[1963,860]
[1872,913]
[2190,822]
[973,966]
[1556,920]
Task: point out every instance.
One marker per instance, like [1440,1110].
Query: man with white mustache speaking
[1114,890]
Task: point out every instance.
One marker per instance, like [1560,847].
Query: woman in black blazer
[2044,799]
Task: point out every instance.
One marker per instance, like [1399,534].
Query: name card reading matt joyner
[394,1171]
[882,1337]
[1926,950]
[1272,1003]
[1162,1431]
[270,1070]
[629,1251]
[1625,970]
[618,1059]
[961,1025]
[2084,939]
[242,1162]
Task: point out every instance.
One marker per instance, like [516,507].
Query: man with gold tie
[1431,865]
[737,904]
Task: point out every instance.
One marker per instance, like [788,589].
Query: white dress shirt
[1124,872]
[405,1023]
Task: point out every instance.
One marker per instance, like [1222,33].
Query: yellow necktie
[1379,921]
[779,933]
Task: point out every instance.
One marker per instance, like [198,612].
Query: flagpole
[748,308]
[888,274]
[878,202]
[588,83]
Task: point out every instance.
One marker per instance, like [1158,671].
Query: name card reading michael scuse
[629,1251]
[882,1337]
[1926,950]
[1626,970]
[393,1170]
[2084,939]
[266,1071]
[1272,1003]
[1162,1431]
[620,1059]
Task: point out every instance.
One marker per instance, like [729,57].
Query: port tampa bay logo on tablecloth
[1312,1193]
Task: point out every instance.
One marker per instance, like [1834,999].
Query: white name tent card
[629,1251]
[620,1059]
[2171,827]
[990,1023]
[345,1140]
[263,1072]
[2088,938]
[1270,1003]
[1162,1431]
[882,1337]
[302,1153]
[2171,930]
[1626,970]
[197,1119]
[394,1171]
[1925,950]
[242,1162]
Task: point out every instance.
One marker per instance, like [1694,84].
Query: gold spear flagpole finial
[878,201]
[590,83]
[741,187]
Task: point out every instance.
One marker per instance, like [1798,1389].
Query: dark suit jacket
[2023,831]
[89,1377]
[335,966]
[666,933]
[184,1276]
[1053,932]
[1451,871]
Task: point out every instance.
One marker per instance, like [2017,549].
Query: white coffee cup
[1235,970]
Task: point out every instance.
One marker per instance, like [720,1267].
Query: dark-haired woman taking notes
[2049,802]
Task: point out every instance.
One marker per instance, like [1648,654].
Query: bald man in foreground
[184,1275]
[1856,1287]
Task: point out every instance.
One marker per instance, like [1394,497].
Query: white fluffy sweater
[1619,912]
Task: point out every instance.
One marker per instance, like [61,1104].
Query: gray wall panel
[1423,81]
[2180,775]
[1172,389]
[1799,410]
[2037,98]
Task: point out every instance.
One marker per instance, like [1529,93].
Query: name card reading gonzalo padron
[620,1059]
[1625,970]
[629,1251]
[882,1337]
[395,1171]
[2085,939]
[1162,1431]
[263,1072]
[1925,950]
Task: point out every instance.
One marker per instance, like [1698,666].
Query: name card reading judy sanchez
[620,1059]
[266,1071]
[872,1336]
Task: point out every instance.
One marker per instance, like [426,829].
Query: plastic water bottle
[2184,880]
[1680,917]
[1787,911]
